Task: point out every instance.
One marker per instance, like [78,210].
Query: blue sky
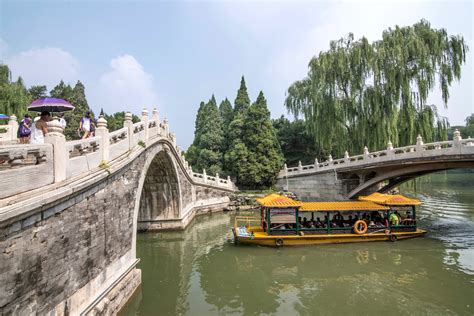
[172,55]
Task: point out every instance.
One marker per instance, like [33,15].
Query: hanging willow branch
[361,94]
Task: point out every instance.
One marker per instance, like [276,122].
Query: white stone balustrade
[58,160]
[457,146]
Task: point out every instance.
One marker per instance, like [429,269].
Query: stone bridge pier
[70,212]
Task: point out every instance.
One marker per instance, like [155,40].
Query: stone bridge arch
[398,176]
[77,227]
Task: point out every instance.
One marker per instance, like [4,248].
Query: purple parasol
[50,105]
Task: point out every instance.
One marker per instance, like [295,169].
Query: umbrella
[4,117]
[50,105]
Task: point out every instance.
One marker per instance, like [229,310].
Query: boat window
[283,216]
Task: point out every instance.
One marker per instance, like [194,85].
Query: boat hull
[262,239]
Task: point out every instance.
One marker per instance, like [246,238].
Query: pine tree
[38,92]
[205,152]
[242,101]
[255,156]
[227,114]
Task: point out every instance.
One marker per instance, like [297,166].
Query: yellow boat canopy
[275,200]
[389,199]
[342,206]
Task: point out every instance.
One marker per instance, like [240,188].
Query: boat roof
[275,200]
[389,199]
[342,206]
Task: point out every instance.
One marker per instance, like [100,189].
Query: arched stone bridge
[381,171]
[70,211]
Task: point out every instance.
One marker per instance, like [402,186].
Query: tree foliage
[295,143]
[254,156]
[359,93]
[242,101]
[206,150]
[77,97]
[14,97]
[468,130]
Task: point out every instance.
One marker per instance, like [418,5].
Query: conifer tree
[205,152]
[77,97]
[227,114]
[255,156]
[242,101]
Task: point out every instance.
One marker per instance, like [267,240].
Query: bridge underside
[160,196]
[385,179]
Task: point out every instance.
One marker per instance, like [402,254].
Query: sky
[173,55]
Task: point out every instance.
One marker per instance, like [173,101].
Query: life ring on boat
[279,242]
[362,230]
[393,238]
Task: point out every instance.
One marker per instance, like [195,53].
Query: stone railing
[8,133]
[58,160]
[419,150]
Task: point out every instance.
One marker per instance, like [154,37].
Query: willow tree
[361,94]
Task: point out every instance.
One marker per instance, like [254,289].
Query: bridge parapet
[28,167]
[457,146]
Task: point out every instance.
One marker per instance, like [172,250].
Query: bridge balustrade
[419,150]
[27,167]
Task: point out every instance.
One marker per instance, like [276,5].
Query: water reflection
[200,272]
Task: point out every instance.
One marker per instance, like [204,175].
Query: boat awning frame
[342,206]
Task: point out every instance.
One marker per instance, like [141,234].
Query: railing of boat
[247,221]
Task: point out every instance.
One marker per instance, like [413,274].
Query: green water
[201,272]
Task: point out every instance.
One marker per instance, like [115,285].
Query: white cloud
[44,66]
[125,87]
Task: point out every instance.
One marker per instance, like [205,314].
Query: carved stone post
[173,139]
[457,139]
[218,181]
[330,158]
[285,170]
[155,115]
[316,163]
[419,144]
[166,127]
[346,156]
[156,119]
[204,175]
[13,127]
[229,182]
[300,166]
[366,153]
[56,137]
[390,152]
[145,123]
[103,132]
[129,124]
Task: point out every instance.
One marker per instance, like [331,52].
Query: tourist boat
[284,221]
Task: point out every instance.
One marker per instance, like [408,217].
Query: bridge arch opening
[160,196]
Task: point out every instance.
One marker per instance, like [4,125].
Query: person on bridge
[25,129]
[40,128]
[86,125]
